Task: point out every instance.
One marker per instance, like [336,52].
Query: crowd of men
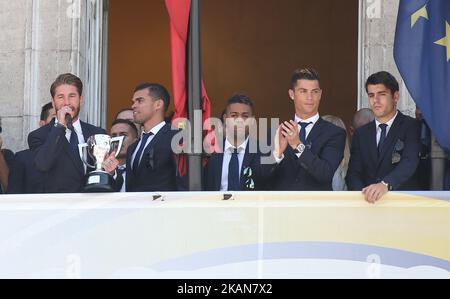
[310,152]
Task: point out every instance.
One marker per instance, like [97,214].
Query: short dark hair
[304,74]
[239,99]
[123,110]
[126,122]
[157,92]
[384,78]
[68,79]
[45,111]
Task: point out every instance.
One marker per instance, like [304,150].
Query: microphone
[69,122]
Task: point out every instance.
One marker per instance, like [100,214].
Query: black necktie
[144,139]
[74,147]
[383,128]
[233,172]
[303,126]
[74,142]
[121,170]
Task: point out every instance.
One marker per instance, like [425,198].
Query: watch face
[301,147]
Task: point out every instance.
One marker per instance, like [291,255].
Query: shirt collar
[155,129]
[77,126]
[389,123]
[312,120]
[229,147]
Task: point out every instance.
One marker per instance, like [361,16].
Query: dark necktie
[74,143]
[233,172]
[303,126]
[136,161]
[74,147]
[121,170]
[383,128]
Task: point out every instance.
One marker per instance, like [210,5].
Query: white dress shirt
[155,131]
[389,125]
[228,151]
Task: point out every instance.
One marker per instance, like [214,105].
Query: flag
[179,23]
[422,55]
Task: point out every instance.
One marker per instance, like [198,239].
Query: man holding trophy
[55,145]
[151,164]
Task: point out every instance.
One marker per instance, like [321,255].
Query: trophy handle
[82,149]
[119,140]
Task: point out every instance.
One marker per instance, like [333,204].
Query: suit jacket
[315,168]
[447,175]
[212,173]
[397,162]
[24,178]
[157,169]
[63,168]
[8,155]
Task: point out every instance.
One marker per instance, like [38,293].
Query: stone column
[378,22]
[39,39]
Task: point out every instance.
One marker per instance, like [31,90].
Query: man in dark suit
[24,177]
[308,149]
[6,165]
[127,129]
[151,164]
[238,166]
[56,145]
[385,152]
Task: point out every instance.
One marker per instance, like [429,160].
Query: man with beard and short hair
[56,145]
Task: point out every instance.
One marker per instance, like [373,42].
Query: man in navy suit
[238,167]
[127,129]
[308,149]
[385,152]
[24,177]
[55,145]
[151,164]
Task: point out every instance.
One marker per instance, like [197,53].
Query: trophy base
[99,181]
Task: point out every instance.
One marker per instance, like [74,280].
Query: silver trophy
[99,147]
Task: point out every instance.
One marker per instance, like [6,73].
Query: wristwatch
[388,186]
[300,149]
[60,125]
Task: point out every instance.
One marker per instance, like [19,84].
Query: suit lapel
[248,159]
[315,132]
[150,146]
[86,135]
[391,137]
[129,169]
[130,152]
[372,141]
[218,174]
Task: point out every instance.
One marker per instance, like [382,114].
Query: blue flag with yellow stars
[422,54]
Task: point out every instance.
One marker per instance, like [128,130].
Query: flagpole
[194,98]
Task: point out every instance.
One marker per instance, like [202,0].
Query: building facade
[40,39]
